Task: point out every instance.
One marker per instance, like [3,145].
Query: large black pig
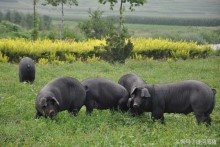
[63,93]
[104,94]
[26,70]
[182,97]
[130,82]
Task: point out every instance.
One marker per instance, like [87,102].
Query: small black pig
[26,70]
[104,94]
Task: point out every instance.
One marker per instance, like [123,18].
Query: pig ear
[53,98]
[86,88]
[214,91]
[133,90]
[145,93]
[43,102]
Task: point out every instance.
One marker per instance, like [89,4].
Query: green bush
[10,30]
[117,49]
[26,20]
[96,27]
[74,34]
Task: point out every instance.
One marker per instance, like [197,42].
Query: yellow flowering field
[69,50]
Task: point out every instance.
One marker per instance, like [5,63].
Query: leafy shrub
[73,34]
[26,20]
[165,48]
[52,35]
[70,51]
[93,59]
[43,61]
[10,30]
[96,27]
[117,48]
[69,57]
[3,58]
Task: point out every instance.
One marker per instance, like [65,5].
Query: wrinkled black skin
[104,94]
[130,82]
[183,97]
[26,70]
[69,93]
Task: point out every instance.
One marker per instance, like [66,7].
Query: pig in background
[26,70]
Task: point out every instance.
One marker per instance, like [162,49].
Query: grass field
[199,34]
[20,128]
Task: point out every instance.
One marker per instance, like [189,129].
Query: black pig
[26,70]
[64,93]
[183,97]
[130,82]
[104,94]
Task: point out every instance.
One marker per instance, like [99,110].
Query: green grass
[20,128]
[199,34]
[141,30]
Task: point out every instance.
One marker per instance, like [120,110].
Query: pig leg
[157,114]
[208,119]
[89,110]
[202,117]
[74,111]
[89,106]
[122,105]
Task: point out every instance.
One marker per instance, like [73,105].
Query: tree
[29,23]
[1,16]
[119,45]
[36,21]
[9,16]
[45,22]
[96,27]
[62,3]
[133,3]
[17,17]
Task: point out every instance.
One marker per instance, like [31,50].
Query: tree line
[172,21]
[26,20]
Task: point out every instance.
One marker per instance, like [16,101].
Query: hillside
[154,8]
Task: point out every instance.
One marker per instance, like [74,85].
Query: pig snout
[136,105]
[129,103]
[52,113]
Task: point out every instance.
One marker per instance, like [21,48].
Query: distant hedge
[46,51]
[171,21]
